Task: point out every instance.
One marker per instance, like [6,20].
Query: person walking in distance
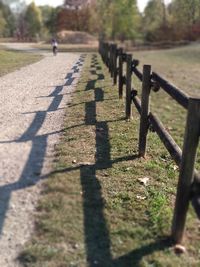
[54,44]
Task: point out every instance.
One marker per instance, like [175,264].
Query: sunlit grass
[13,60]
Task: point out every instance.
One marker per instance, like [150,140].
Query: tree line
[179,20]
[119,19]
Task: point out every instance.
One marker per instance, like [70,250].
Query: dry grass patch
[13,60]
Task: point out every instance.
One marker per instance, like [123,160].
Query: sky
[141,3]
[46,2]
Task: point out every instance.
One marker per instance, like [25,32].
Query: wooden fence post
[128,86]
[100,47]
[120,81]
[144,123]
[186,174]
[107,55]
[102,52]
[115,64]
[110,58]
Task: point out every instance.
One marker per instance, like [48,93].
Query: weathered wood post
[110,59]
[186,175]
[99,47]
[144,123]
[120,79]
[115,54]
[107,54]
[128,86]
[103,52]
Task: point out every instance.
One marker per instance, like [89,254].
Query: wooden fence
[188,188]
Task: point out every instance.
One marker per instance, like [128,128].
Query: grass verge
[96,209]
[13,60]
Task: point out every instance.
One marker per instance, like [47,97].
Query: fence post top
[194,100]
[146,66]
[135,62]
[129,56]
[194,106]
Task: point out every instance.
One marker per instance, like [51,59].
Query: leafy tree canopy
[33,18]
[119,18]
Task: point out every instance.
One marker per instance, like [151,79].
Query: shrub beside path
[32,106]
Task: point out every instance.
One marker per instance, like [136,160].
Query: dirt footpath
[32,105]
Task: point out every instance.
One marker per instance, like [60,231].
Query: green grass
[94,211]
[13,60]
[180,66]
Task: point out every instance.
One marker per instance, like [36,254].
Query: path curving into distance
[32,107]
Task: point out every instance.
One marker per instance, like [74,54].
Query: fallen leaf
[140,197]
[179,249]
[144,180]
[175,167]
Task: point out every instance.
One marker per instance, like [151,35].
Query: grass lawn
[180,66]
[13,60]
[95,210]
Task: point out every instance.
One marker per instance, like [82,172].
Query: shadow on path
[33,167]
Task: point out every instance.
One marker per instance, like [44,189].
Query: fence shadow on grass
[97,238]
[96,232]
[31,173]
[133,258]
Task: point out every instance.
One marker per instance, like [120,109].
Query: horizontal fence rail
[174,92]
[166,138]
[188,188]
[137,73]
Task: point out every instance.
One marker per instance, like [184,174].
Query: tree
[119,19]
[49,18]
[33,18]
[2,24]
[73,19]
[93,26]
[104,17]
[127,20]
[8,20]
[154,20]
[185,15]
